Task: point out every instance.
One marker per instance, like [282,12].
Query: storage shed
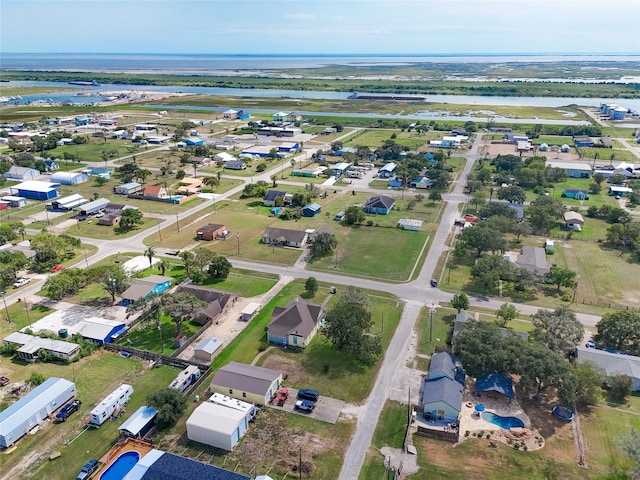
[249,311]
[217,425]
[69,178]
[67,203]
[37,405]
[140,423]
[311,209]
[94,207]
[14,202]
[207,349]
[128,188]
[21,173]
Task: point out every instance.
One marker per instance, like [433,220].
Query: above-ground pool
[121,466]
[502,422]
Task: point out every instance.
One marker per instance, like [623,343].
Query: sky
[321,27]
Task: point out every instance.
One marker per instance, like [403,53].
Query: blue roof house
[380,204]
[441,389]
[387,170]
[193,142]
[311,209]
[395,182]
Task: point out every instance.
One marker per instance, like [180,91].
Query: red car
[4,381]
[57,268]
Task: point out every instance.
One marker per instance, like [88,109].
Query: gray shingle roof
[380,201]
[246,378]
[611,362]
[283,234]
[444,390]
[533,259]
[298,317]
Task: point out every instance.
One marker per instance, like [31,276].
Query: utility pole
[177,223]
[26,307]
[5,305]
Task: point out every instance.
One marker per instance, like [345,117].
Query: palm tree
[150,252]
[187,258]
[164,265]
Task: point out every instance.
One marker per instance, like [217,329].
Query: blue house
[575,194]
[145,287]
[51,165]
[421,183]
[380,204]
[395,182]
[441,389]
[193,142]
[311,209]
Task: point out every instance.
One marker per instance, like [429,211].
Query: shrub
[566,297]
[466,434]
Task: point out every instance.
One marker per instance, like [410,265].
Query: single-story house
[395,182]
[311,209]
[140,423]
[14,202]
[21,173]
[295,324]
[67,203]
[24,247]
[212,231]
[224,157]
[582,141]
[284,237]
[189,185]
[421,183]
[288,147]
[110,219]
[155,191]
[613,363]
[235,165]
[387,170]
[35,190]
[380,204]
[533,259]
[572,220]
[575,193]
[495,382]
[271,198]
[619,191]
[36,406]
[218,301]
[128,188]
[410,224]
[30,345]
[443,364]
[207,349]
[247,382]
[217,425]
[339,169]
[69,178]
[51,165]
[573,169]
[144,287]
[230,114]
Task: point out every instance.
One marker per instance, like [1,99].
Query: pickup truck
[89,469]
[305,406]
[66,411]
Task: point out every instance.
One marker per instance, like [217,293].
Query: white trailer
[116,399]
[185,378]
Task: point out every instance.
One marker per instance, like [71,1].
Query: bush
[566,297]
[37,378]
[466,434]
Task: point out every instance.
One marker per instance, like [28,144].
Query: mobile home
[185,378]
[116,399]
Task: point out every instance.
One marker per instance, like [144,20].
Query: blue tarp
[497,382]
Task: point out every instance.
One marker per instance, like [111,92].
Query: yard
[145,335]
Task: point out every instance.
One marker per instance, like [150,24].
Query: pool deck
[500,405]
[129,445]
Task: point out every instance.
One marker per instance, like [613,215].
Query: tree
[512,194]
[163,265]
[202,257]
[631,446]
[479,197]
[113,279]
[543,212]
[311,286]
[586,380]
[150,252]
[435,196]
[619,331]
[460,302]
[187,260]
[481,238]
[219,268]
[129,218]
[481,348]
[170,404]
[353,215]
[101,181]
[620,386]
[541,368]
[323,244]
[69,282]
[561,277]
[348,325]
[559,330]
[491,268]
[506,313]
[181,307]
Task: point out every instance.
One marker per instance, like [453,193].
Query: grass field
[146,336]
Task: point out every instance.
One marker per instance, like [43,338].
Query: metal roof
[209,345]
[95,206]
[37,343]
[32,402]
[216,417]
[140,419]
[35,186]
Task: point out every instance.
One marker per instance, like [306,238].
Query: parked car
[57,268]
[433,283]
[89,469]
[591,344]
[306,394]
[21,282]
[66,411]
[305,406]
[4,381]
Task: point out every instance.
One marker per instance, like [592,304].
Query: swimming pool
[121,466]
[502,422]
[176,197]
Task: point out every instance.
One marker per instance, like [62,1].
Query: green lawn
[146,336]
[389,432]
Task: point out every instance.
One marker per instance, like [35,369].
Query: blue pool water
[502,422]
[123,465]
[176,197]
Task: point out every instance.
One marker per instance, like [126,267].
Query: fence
[145,355]
[438,434]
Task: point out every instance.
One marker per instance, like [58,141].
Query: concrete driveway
[326,410]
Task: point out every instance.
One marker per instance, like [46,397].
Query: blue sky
[321,27]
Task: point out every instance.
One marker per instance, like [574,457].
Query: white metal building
[217,425]
[118,398]
[17,420]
